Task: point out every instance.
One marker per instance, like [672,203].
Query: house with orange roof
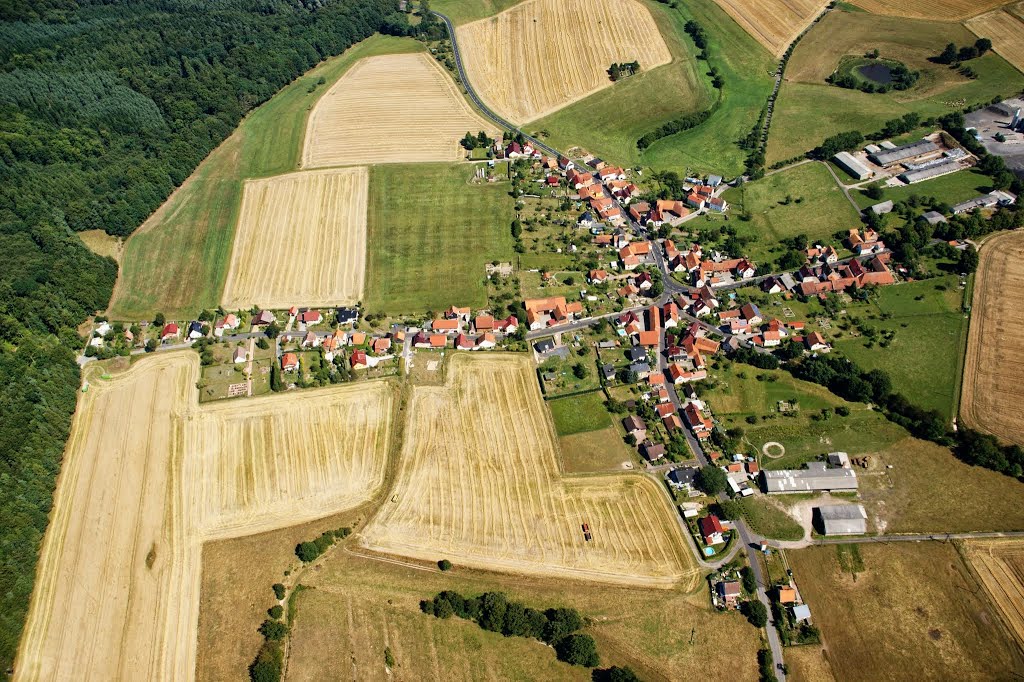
[696,201]
[483,323]
[670,313]
[665,409]
[667,211]
[359,360]
[628,290]
[438,340]
[597,276]
[445,325]
[648,339]
[611,173]
[289,362]
[546,312]
[639,211]
[456,313]
[579,180]
[816,342]
[463,342]
[507,326]
[672,423]
[310,340]
[380,345]
[699,424]
[486,341]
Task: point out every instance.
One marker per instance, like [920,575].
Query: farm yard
[177,261]
[1000,566]
[390,109]
[510,60]
[1005,30]
[879,613]
[774,23]
[993,386]
[944,10]
[810,110]
[317,218]
[356,606]
[149,476]
[479,482]
[286,459]
[430,234]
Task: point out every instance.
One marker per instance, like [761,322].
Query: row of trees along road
[105,107]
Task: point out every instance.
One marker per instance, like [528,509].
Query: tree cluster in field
[471,142]
[618,71]
[764,666]
[269,661]
[493,611]
[902,79]
[311,550]
[105,108]
[954,57]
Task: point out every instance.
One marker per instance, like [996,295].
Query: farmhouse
[728,592]
[264,317]
[849,163]
[843,519]
[901,154]
[635,427]
[289,362]
[652,451]
[816,477]
[170,331]
[541,312]
[310,317]
[711,530]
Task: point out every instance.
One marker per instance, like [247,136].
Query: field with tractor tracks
[480,483]
[943,10]
[301,238]
[773,23]
[542,55]
[390,109]
[993,385]
[148,476]
[1000,565]
[1005,30]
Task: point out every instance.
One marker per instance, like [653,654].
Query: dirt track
[390,109]
[993,385]
[479,483]
[301,239]
[542,55]
[117,591]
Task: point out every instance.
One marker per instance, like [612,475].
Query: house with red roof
[170,331]
[311,317]
[711,530]
[463,342]
[358,360]
[289,362]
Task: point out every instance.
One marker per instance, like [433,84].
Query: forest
[105,107]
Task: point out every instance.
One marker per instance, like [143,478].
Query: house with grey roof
[843,519]
[903,153]
[816,477]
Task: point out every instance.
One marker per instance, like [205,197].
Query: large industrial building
[905,152]
[944,167]
[816,477]
[852,165]
[843,519]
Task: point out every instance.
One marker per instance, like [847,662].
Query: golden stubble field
[940,10]
[1000,566]
[301,239]
[542,55]
[479,482]
[773,23]
[399,108]
[993,385]
[1005,30]
[117,591]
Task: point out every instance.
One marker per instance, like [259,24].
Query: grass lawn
[817,208]
[594,451]
[608,123]
[747,69]
[769,520]
[809,110]
[580,413]
[894,616]
[463,12]
[952,189]
[925,356]
[430,234]
[176,262]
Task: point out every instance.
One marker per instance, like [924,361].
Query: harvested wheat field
[938,10]
[301,239]
[281,460]
[117,589]
[399,108]
[774,23]
[542,55]
[1000,566]
[480,483]
[993,385]
[1006,31]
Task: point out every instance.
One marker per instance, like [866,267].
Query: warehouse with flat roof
[843,519]
[849,163]
[932,171]
[816,477]
[904,153]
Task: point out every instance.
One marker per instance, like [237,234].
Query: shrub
[279,590]
[276,611]
[274,630]
[578,649]
[268,663]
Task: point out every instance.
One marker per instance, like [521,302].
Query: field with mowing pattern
[177,261]
[1000,566]
[944,10]
[301,238]
[774,23]
[810,110]
[542,55]
[883,615]
[993,385]
[1006,31]
[148,476]
[479,483]
[430,234]
[390,109]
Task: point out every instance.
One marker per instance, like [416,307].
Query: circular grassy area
[873,74]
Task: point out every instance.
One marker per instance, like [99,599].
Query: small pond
[876,72]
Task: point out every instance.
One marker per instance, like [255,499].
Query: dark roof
[636,353]
[544,345]
[683,475]
[639,367]
[608,371]
[346,315]
[195,326]
[633,423]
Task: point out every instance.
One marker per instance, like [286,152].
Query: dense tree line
[105,107]
[493,611]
